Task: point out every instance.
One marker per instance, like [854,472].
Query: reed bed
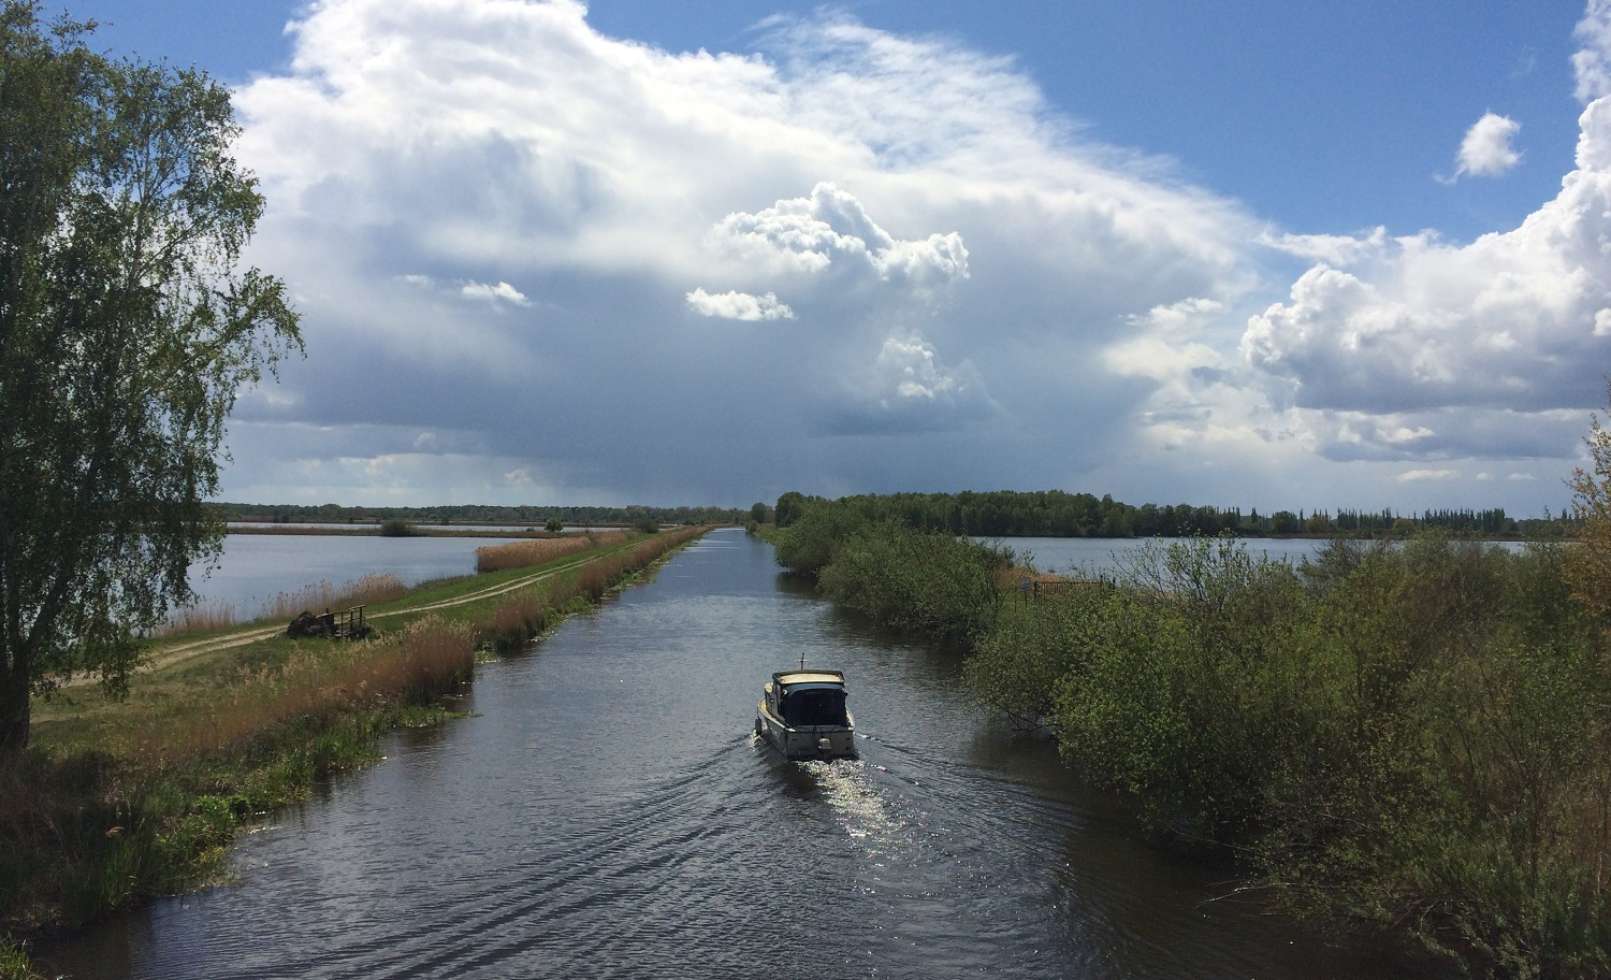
[203,617]
[325,595]
[533,610]
[153,806]
[150,811]
[523,554]
[425,660]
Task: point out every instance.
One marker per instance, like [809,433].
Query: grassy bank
[121,800]
[1413,736]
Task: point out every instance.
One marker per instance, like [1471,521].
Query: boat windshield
[814,705]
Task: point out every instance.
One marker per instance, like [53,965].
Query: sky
[1281,255]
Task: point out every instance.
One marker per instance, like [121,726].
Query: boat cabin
[803,713]
[802,698]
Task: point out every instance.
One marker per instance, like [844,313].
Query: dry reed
[531,611]
[522,554]
[324,595]
[426,659]
[204,616]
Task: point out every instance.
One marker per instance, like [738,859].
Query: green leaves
[127,328]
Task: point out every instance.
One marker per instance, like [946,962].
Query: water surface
[606,812]
[256,567]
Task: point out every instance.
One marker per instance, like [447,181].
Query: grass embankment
[121,800]
[1413,736]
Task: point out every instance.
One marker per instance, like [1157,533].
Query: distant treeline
[1054,513]
[474,514]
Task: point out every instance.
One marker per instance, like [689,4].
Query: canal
[604,812]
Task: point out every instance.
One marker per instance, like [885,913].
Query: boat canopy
[792,678]
[813,704]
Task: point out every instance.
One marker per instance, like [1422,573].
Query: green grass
[121,800]
[14,962]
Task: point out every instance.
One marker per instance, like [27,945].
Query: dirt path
[167,656]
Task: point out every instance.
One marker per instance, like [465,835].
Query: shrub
[813,538]
[397,528]
[933,584]
[1414,735]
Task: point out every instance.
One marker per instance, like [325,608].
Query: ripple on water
[604,813]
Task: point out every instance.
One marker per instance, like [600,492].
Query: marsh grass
[531,611]
[211,616]
[203,617]
[523,554]
[370,589]
[151,810]
[121,801]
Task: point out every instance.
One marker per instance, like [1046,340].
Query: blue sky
[1262,100]
[1046,244]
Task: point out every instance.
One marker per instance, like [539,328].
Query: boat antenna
[802,660]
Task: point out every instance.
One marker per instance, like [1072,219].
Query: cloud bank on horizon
[540,264]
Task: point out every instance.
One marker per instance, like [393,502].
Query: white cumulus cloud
[973,271]
[1488,149]
[1336,250]
[1506,329]
[734,305]
[830,229]
[499,292]
[1591,64]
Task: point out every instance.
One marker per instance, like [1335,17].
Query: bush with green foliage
[1415,736]
[933,584]
[395,528]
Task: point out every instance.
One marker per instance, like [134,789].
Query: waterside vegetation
[1408,735]
[122,799]
[524,554]
[1059,514]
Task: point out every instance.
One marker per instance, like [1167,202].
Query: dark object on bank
[349,624]
[802,714]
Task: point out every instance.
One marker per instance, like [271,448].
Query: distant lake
[256,567]
[1110,556]
[365,525]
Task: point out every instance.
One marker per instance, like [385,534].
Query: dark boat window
[816,706]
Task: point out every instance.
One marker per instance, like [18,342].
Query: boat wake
[858,804]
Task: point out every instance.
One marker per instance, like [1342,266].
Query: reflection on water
[605,812]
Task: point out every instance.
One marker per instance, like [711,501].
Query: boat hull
[807,741]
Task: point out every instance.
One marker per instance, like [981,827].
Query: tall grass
[427,659]
[325,595]
[14,962]
[523,554]
[152,809]
[203,617]
[528,612]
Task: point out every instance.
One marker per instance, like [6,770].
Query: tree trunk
[14,711]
